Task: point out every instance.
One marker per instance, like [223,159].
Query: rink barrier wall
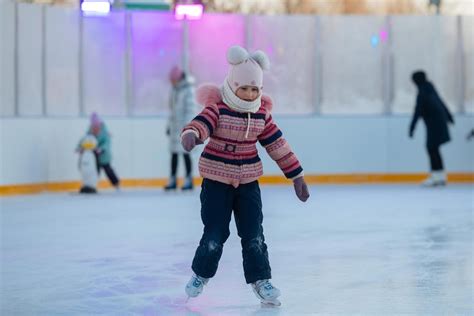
[338,179]
[37,155]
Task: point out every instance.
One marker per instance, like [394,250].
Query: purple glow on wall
[209,40]
[188,11]
[157,46]
[103,71]
[270,51]
[381,37]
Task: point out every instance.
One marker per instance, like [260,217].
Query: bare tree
[402,7]
[293,6]
[327,7]
[354,7]
[222,6]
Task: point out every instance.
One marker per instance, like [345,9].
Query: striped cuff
[297,172]
[301,174]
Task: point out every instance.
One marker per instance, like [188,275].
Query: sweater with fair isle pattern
[231,155]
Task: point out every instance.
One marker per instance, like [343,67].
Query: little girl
[235,117]
[103,152]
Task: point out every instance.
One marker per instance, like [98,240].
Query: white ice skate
[437,178]
[266,293]
[195,286]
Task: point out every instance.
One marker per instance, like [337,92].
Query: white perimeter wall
[36,150]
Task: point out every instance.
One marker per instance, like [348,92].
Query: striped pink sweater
[231,155]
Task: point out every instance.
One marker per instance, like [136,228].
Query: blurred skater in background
[102,150]
[436,116]
[182,110]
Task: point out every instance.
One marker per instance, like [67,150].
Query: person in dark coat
[436,116]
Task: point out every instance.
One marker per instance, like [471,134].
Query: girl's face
[247,93]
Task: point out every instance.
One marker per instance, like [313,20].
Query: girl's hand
[301,189]
[189,141]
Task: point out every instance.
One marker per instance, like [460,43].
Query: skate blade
[270,303]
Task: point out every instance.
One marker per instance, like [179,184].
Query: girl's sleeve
[204,124]
[279,150]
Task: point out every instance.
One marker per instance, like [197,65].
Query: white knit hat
[246,69]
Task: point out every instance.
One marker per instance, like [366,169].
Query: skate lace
[265,284]
[197,282]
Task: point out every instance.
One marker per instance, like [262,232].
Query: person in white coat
[182,110]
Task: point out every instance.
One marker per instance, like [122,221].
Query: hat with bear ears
[246,69]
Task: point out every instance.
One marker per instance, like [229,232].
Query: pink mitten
[189,141]
[301,189]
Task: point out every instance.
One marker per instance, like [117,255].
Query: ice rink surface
[366,250]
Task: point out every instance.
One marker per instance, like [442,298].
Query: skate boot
[195,286]
[429,182]
[437,178]
[188,184]
[87,189]
[266,292]
[440,178]
[171,184]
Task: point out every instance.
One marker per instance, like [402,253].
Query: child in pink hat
[103,150]
[182,109]
[237,116]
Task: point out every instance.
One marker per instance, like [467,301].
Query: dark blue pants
[217,202]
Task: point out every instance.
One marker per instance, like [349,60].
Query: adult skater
[182,110]
[235,117]
[102,151]
[436,115]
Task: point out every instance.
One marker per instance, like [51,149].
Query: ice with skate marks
[175,304]
[265,304]
[270,303]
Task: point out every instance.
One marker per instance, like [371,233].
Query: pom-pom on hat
[246,69]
